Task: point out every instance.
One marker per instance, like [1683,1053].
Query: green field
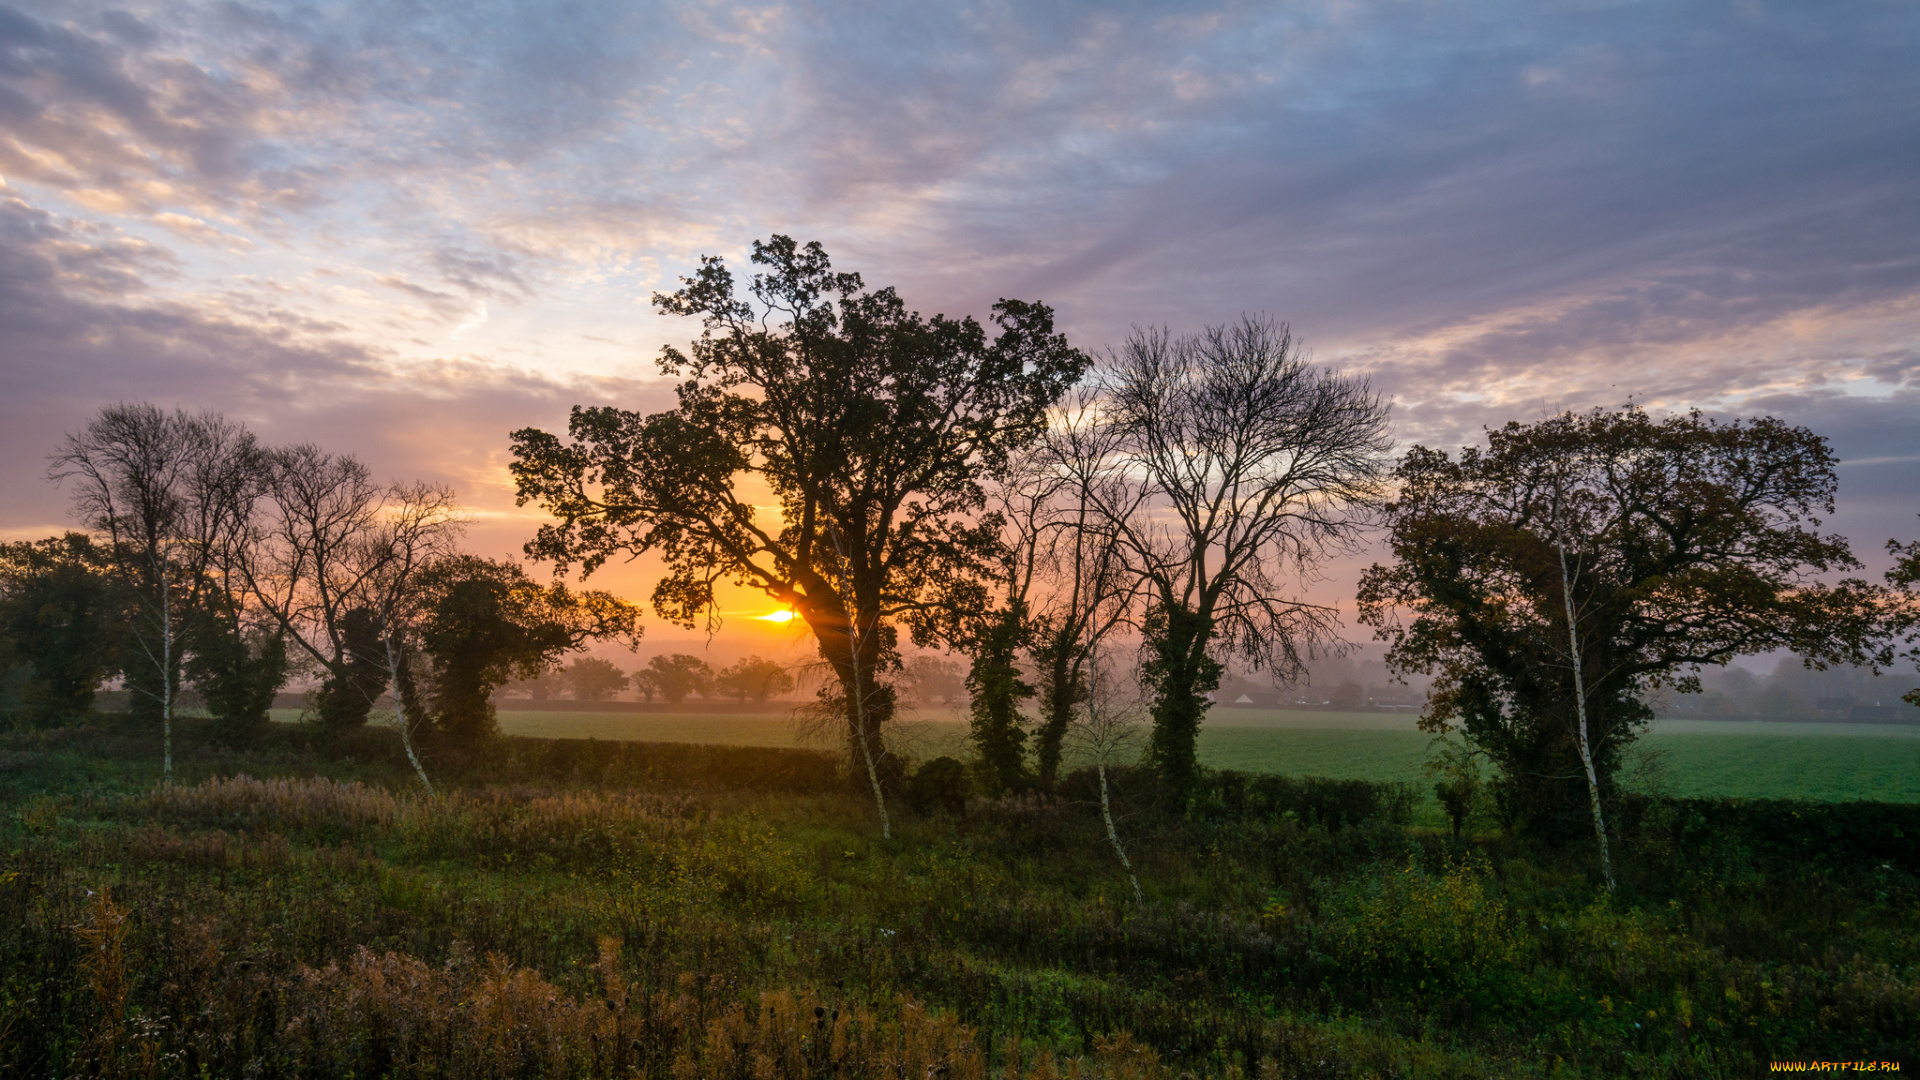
[1679,757]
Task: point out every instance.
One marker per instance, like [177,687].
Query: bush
[1311,800]
[940,784]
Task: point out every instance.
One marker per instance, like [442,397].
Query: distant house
[1835,707]
[1874,714]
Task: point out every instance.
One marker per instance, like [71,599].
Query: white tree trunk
[166,679]
[866,750]
[1580,707]
[1113,835]
[400,713]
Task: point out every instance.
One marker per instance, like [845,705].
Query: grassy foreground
[573,909]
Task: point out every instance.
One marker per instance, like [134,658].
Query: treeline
[1030,507]
[669,677]
[1098,537]
[216,563]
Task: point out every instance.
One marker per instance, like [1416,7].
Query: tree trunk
[1060,691]
[166,679]
[854,657]
[1580,708]
[1113,835]
[1181,674]
[400,713]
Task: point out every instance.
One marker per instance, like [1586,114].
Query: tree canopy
[1688,542]
[483,622]
[870,424]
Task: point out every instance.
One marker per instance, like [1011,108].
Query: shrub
[940,784]
[1431,934]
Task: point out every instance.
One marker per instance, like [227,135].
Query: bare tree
[420,525]
[1088,593]
[167,489]
[1243,468]
[333,562]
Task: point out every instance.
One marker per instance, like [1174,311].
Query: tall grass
[562,927]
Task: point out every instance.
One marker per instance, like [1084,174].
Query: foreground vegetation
[569,908]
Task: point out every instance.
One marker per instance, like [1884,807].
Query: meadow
[575,908]
[1687,758]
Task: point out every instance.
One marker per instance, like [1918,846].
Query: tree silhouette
[1686,542]
[870,425]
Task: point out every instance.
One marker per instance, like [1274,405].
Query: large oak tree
[1577,563]
[870,425]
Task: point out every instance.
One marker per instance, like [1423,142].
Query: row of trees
[1040,511]
[217,563]
[672,678]
[929,481]
[1014,499]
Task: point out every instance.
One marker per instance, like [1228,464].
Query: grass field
[1679,757]
[295,907]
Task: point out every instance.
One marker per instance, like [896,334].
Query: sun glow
[778,617]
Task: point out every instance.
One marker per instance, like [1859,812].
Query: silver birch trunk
[400,714]
[166,680]
[866,750]
[1580,708]
[1113,834]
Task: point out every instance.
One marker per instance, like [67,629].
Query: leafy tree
[1906,618]
[753,678]
[1239,464]
[63,617]
[676,676]
[484,622]
[167,491]
[238,665]
[358,675]
[869,424]
[933,677]
[646,685]
[995,690]
[593,679]
[1555,578]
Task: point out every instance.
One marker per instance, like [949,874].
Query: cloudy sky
[407,229]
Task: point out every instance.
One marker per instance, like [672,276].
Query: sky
[404,230]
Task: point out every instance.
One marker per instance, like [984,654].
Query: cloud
[1494,209]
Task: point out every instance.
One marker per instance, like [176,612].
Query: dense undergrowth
[589,909]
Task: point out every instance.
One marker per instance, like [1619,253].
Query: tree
[996,688]
[1349,695]
[869,424]
[333,561]
[1905,575]
[646,685]
[238,664]
[483,622]
[1085,490]
[593,679]
[62,617]
[933,678]
[1641,550]
[676,676]
[167,491]
[1250,466]
[417,533]
[1105,723]
[754,678]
